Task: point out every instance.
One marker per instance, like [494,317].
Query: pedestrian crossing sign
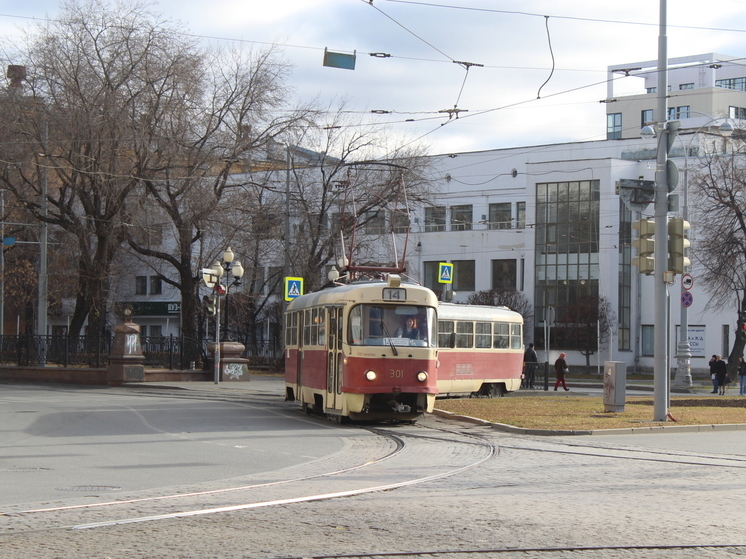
[445,272]
[293,288]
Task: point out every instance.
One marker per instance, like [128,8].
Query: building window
[156,285]
[435,219]
[651,90]
[399,220]
[738,84]
[520,215]
[675,113]
[614,126]
[737,112]
[463,275]
[141,285]
[648,340]
[500,215]
[504,274]
[150,236]
[461,218]
[646,117]
[375,222]
[624,309]
[686,86]
[430,276]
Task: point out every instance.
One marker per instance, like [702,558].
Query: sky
[536,68]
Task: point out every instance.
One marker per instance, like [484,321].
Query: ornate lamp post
[229,268]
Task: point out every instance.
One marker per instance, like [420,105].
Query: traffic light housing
[210,304]
[645,245]
[677,245]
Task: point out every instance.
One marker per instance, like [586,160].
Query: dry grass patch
[572,412]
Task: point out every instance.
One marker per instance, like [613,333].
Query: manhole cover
[90,488]
[25,469]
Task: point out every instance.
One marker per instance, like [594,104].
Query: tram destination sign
[394,294]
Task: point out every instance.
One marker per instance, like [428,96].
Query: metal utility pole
[43,286]
[660,359]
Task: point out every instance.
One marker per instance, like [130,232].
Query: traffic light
[742,332]
[210,304]
[677,245]
[645,245]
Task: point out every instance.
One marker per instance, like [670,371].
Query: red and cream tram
[347,353]
[480,350]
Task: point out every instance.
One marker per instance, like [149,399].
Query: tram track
[631,551]
[391,470]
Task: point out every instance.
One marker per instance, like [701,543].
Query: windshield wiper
[385,332]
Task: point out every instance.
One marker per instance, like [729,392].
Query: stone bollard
[233,367]
[126,358]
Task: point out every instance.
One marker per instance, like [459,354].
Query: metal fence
[163,352]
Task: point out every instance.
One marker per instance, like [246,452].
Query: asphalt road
[62,439]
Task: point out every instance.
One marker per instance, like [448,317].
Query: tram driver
[409,330]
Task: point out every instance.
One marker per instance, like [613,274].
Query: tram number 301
[397,373]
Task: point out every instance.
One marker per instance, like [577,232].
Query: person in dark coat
[721,374]
[409,330]
[742,376]
[713,373]
[530,361]
[561,369]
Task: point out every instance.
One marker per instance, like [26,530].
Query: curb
[651,429]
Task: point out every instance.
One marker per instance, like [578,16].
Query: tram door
[334,359]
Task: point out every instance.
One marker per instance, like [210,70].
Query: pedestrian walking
[561,370]
[713,373]
[530,361]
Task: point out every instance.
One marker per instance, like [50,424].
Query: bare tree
[589,323]
[720,246]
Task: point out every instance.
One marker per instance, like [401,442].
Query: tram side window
[465,334]
[445,333]
[483,334]
[307,327]
[291,329]
[501,339]
[314,326]
[322,326]
[516,336]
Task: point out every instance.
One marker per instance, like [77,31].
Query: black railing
[163,352]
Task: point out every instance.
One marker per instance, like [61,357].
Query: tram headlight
[370,375]
[422,376]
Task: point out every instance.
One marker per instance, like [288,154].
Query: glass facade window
[461,218]
[624,308]
[686,86]
[463,275]
[648,340]
[567,244]
[614,126]
[430,276]
[520,215]
[500,215]
[435,219]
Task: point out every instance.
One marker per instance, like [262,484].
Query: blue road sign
[293,288]
[687,299]
[445,272]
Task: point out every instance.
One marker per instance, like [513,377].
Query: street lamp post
[232,269]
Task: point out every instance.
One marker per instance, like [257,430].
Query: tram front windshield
[407,325]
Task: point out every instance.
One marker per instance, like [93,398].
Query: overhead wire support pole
[660,356]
